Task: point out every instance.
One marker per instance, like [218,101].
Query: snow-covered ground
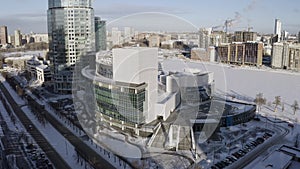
[111,158]
[30,53]
[15,126]
[18,100]
[65,149]
[60,144]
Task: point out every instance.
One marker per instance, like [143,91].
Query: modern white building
[277,29]
[37,70]
[43,74]
[71,32]
[116,36]
[40,38]
[193,85]
[128,34]
[129,90]
[204,38]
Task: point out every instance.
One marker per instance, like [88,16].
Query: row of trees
[260,100]
[28,47]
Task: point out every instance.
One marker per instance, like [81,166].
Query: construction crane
[228,23]
[249,28]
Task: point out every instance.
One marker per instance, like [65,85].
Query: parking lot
[249,146]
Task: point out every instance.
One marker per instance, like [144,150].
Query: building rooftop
[286,154]
[290,150]
[90,74]
[104,57]
[272,162]
[163,96]
[42,67]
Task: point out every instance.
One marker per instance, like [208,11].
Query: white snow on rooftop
[35,53]
[42,66]
[206,121]
[273,162]
[25,57]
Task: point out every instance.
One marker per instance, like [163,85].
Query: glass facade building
[121,87]
[71,34]
[122,103]
[100,34]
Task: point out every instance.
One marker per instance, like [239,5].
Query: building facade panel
[122,103]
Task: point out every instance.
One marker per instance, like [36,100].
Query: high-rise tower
[18,38]
[3,35]
[204,38]
[277,30]
[71,33]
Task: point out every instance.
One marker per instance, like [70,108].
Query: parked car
[260,140]
[231,159]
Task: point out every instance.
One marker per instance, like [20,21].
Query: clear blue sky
[30,15]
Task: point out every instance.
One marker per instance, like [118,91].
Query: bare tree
[295,106]
[260,100]
[277,102]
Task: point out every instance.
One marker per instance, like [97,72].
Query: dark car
[220,165]
[214,167]
[224,162]
[260,140]
[231,159]
[248,146]
[236,155]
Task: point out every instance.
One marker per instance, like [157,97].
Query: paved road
[53,156]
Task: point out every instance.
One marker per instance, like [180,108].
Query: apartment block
[244,36]
[286,56]
[242,53]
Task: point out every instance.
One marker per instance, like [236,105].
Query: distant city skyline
[260,14]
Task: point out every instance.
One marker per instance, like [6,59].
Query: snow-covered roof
[291,150]
[204,121]
[42,67]
[25,57]
[272,162]
[31,53]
